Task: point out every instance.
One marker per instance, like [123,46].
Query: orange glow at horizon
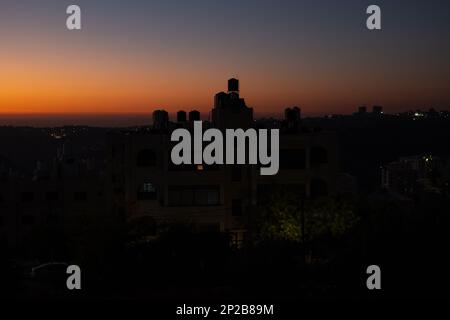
[156,55]
[107,81]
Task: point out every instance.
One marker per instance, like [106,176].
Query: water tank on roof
[233,85]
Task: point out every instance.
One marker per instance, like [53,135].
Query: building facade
[144,182]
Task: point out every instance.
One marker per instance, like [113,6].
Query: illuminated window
[148,187]
[147,191]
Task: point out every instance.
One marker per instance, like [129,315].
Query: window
[80,196]
[205,196]
[292,159]
[194,196]
[27,196]
[148,187]
[237,239]
[318,156]
[147,191]
[146,158]
[236,207]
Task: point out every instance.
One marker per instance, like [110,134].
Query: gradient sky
[135,56]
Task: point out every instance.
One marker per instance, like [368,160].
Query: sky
[132,57]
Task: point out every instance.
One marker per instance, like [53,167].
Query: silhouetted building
[377,110]
[230,111]
[362,110]
[59,196]
[410,176]
[181,116]
[194,115]
[233,85]
[292,118]
[146,184]
[160,120]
